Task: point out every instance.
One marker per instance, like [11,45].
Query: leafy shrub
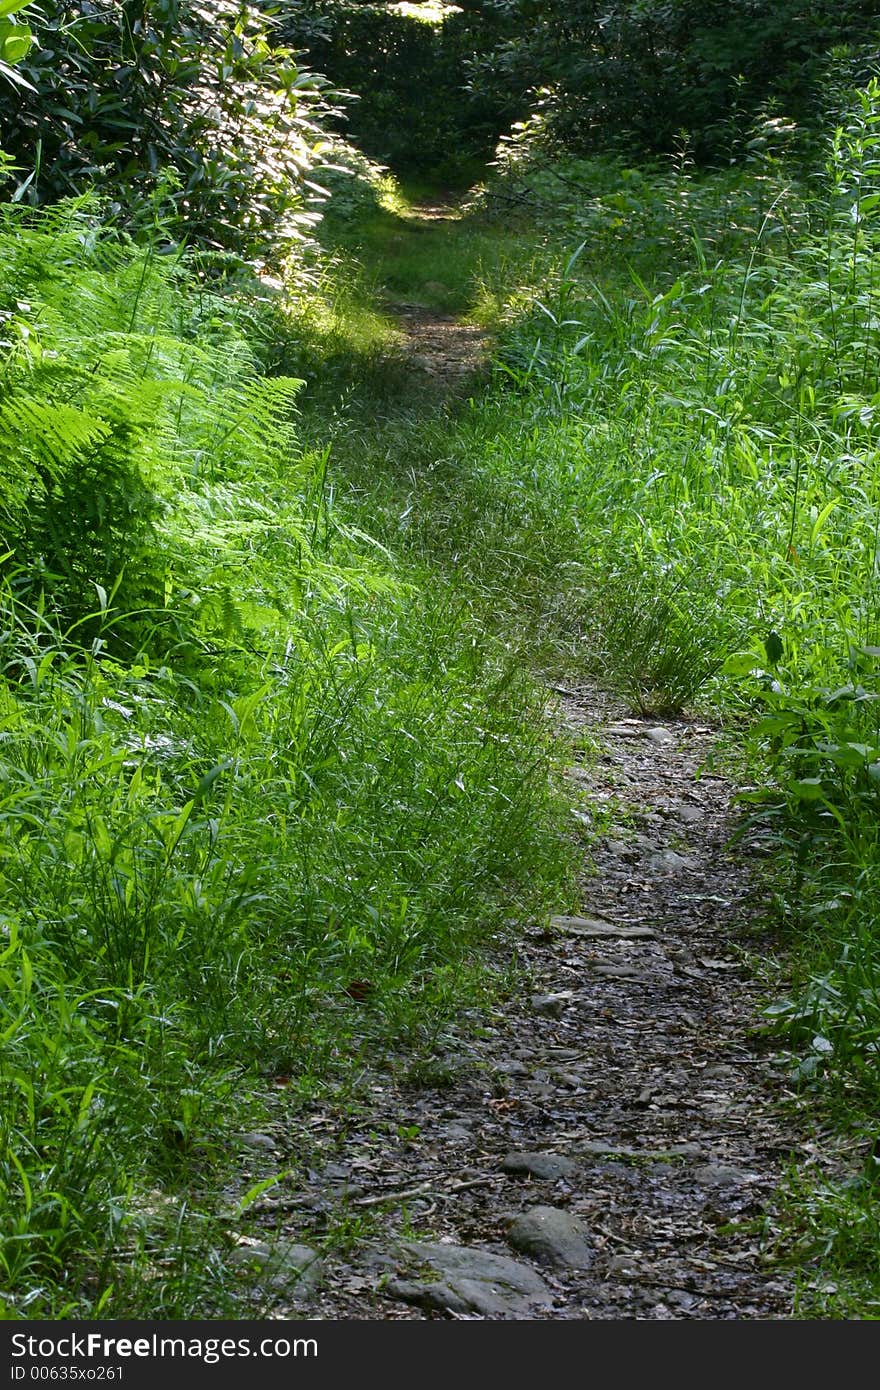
[634,75]
[407,72]
[179,97]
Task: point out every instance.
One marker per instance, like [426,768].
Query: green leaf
[258,1189]
[15,42]
[742,664]
[806,789]
[819,523]
[210,778]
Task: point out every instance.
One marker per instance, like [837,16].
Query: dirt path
[445,350]
[605,1145]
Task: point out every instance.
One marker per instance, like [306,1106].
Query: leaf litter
[625,1086]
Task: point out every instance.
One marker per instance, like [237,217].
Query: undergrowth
[273,767]
[264,800]
[671,485]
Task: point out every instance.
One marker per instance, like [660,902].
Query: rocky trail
[446,352]
[606,1144]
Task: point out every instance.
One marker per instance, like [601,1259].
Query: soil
[447,353]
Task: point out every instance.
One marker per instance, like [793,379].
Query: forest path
[448,351]
[606,1141]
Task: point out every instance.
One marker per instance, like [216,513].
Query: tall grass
[244,763]
[673,485]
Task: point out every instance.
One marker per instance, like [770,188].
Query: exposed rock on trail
[618,1143]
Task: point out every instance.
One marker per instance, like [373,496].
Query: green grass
[671,485]
[246,759]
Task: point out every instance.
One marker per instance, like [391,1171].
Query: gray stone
[600,1148]
[458,1134]
[620,849]
[435,1298]
[669,862]
[256,1140]
[468,1280]
[660,735]
[551,1005]
[594,928]
[624,972]
[538,1165]
[555,1237]
[571,1078]
[283,1264]
[514,1068]
[721,1175]
[336,1172]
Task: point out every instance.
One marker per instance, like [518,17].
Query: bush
[182,97]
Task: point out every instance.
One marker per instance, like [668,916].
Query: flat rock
[551,1005]
[602,1148]
[459,1133]
[721,1175]
[461,1279]
[668,861]
[661,735]
[512,1068]
[283,1264]
[553,1236]
[256,1140]
[624,972]
[539,1165]
[595,928]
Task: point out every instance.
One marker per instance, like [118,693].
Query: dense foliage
[243,762]
[185,98]
[269,785]
[436,86]
[407,71]
[639,72]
